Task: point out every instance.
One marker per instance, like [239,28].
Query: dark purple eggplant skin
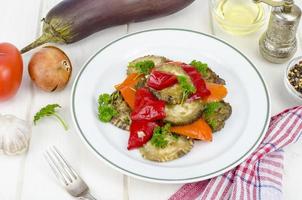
[72,20]
[90,16]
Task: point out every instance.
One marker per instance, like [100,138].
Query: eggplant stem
[49,35]
[43,39]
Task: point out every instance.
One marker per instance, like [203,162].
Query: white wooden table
[28,177]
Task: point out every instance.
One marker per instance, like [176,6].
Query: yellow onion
[50,69]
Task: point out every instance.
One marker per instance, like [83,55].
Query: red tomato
[11,70]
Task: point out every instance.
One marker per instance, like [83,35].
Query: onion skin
[72,20]
[50,69]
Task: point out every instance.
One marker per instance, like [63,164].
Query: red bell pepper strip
[147,107]
[201,89]
[142,96]
[140,133]
[160,80]
[151,112]
[147,110]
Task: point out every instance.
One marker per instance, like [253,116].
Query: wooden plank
[194,17]
[105,182]
[150,191]
[18,21]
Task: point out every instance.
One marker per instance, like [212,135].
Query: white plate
[243,132]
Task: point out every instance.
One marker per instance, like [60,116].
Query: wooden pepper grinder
[278,44]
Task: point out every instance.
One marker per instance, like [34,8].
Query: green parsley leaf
[49,110]
[106,110]
[211,108]
[212,123]
[127,120]
[166,128]
[186,87]
[104,99]
[159,136]
[144,67]
[201,67]
[175,136]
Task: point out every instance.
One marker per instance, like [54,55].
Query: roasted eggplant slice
[122,119]
[212,77]
[176,148]
[186,113]
[216,117]
[158,60]
[173,94]
[172,68]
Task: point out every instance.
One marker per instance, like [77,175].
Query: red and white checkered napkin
[260,176]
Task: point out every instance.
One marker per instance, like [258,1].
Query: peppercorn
[295,76]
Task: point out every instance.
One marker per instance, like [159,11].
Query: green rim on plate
[197,178]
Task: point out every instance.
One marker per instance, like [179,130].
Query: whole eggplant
[72,20]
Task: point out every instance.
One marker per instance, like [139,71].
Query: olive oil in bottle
[239,17]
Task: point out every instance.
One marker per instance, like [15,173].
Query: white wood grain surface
[27,177]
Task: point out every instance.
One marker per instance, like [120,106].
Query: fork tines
[59,166]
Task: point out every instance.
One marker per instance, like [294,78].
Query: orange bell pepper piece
[128,94]
[218,92]
[197,130]
[127,88]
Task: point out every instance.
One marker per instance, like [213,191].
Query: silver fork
[70,180]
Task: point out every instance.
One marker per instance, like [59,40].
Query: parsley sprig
[50,110]
[212,123]
[159,136]
[187,88]
[200,66]
[210,109]
[144,67]
[106,110]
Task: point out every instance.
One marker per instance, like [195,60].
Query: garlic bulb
[14,135]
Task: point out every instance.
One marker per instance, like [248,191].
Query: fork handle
[87,196]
